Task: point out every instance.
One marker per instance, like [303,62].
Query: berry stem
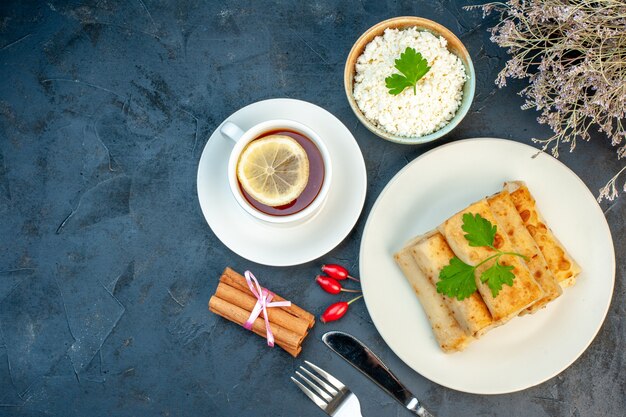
[354,299]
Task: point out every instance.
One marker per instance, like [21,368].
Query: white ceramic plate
[284,245]
[530,349]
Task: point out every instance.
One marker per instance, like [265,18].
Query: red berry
[328,284]
[337,272]
[331,285]
[337,310]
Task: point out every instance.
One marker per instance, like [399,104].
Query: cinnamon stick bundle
[234,301]
[236,280]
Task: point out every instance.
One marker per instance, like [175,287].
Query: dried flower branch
[573,53]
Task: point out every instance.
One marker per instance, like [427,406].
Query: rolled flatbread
[449,334]
[509,219]
[432,254]
[511,300]
[561,264]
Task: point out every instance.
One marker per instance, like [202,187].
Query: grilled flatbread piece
[432,254]
[511,300]
[507,216]
[448,333]
[562,265]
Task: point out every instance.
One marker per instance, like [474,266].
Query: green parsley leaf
[396,84]
[480,231]
[412,66]
[457,279]
[496,276]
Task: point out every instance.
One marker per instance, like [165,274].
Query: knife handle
[366,361]
[415,406]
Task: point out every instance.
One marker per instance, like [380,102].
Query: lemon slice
[274,170]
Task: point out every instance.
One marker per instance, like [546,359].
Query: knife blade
[362,358]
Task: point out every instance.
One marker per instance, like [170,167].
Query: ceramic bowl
[454,45]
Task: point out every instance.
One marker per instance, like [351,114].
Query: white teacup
[241,139]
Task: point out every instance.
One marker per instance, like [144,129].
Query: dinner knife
[363,359]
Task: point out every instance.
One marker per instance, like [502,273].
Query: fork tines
[323,389]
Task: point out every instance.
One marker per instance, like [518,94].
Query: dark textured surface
[106,262]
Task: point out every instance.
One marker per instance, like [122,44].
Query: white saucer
[279,245]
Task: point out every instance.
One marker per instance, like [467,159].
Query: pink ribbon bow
[264,296]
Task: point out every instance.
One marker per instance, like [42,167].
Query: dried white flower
[573,53]
[609,191]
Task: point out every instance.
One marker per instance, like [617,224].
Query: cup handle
[231,131]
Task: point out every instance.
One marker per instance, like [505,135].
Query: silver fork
[328,392]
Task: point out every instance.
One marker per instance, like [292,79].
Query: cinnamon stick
[247,301]
[286,339]
[236,280]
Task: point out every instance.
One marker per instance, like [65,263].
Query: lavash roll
[560,262]
[432,254]
[449,334]
[511,222]
[511,300]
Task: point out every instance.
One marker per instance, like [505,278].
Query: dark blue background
[106,262]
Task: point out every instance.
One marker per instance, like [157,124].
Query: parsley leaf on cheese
[412,67]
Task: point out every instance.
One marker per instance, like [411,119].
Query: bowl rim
[423,24]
